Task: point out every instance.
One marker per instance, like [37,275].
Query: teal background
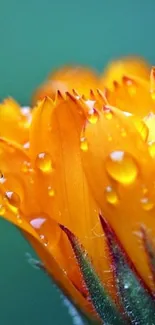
[35,37]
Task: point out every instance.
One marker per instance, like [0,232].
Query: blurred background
[35,37]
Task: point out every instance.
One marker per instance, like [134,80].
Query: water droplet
[83,144]
[19,219]
[44,162]
[37,222]
[147,204]
[126,285]
[111,195]
[25,167]
[131,85]
[127,114]
[152,149]
[26,117]
[51,191]
[90,104]
[12,201]
[123,133]
[44,240]
[2,180]
[2,210]
[107,112]
[26,145]
[121,167]
[93,116]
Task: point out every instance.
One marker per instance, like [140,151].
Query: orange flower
[85,159]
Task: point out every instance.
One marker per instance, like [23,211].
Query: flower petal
[51,265]
[14,123]
[66,79]
[121,173]
[132,95]
[55,132]
[19,203]
[123,67]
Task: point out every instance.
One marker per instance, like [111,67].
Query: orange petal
[132,95]
[121,174]
[66,79]
[59,276]
[124,67]
[14,121]
[19,202]
[64,193]
[50,263]
[17,175]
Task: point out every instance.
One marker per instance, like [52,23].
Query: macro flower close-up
[77,178]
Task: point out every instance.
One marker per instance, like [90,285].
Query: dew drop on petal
[26,117]
[19,219]
[151,149]
[147,204]
[51,191]
[2,180]
[93,116]
[25,167]
[26,145]
[90,104]
[126,285]
[83,144]
[44,162]
[111,195]
[107,112]
[36,223]
[12,201]
[121,167]
[44,240]
[131,85]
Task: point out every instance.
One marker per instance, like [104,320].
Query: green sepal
[87,318]
[103,304]
[150,251]
[134,297]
